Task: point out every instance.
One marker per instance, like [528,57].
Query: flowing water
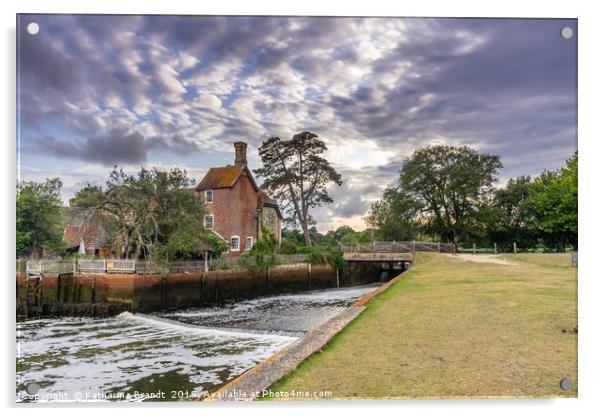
[172,355]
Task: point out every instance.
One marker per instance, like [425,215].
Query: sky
[95,91]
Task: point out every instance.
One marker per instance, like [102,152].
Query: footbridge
[393,256]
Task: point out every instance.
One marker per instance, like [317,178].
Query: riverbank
[454,328]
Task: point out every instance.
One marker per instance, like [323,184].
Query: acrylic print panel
[349,207]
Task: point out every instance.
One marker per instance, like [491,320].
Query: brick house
[235,206]
[88,238]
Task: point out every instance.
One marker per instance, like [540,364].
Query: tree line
[151,215]
[444,193]
[448,194]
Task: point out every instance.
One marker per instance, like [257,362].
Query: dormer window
[209,196]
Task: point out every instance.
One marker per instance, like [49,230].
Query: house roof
[264,200]
[94,235]
[224,177]
[72,235]
[91,230]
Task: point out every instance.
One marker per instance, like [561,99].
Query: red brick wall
[234,212]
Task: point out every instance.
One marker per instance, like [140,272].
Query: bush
[323,255]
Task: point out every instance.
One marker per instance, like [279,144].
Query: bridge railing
[396,247]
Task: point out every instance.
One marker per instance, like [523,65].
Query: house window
[209,222]
[209,195]
[249,244]
[235,243]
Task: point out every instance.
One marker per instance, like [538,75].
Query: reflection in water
[187,351]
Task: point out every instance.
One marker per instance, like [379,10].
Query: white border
[590,233]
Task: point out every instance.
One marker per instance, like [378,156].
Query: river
[171,355]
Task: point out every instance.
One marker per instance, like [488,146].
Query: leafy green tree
[88,196]
[451,184]
[154,214]
[554,201]
[39,217]
[339,233]
[510,218]
[395,215]
[297,175]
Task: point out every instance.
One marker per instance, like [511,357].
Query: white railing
[41,267]
[106,266]
[45,267]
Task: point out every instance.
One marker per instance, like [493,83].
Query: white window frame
[247,245]
[237,245]
[205,222]
[208,192]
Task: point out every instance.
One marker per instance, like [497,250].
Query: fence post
[514,244]
[104,265]
[494,248]
[474,248]
[574,259]
[438,246]
[205,264]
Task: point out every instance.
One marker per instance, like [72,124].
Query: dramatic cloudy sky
[166,91]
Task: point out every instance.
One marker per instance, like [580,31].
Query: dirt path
[483,258]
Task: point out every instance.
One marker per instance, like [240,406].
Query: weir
[196,349]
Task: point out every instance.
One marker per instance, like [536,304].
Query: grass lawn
[454,328]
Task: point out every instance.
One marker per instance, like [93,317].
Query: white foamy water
[187,352]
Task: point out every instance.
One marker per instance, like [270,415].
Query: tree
[39,217]
[339,233]
[395,215]
[297,176]
[509,218]
[152,215]
[451,183]
[554,199]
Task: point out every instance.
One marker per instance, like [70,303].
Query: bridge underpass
[394,257]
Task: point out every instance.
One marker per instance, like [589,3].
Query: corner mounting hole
[566,384]
[566,33]
[33,28]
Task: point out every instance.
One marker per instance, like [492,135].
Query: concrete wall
[105,294]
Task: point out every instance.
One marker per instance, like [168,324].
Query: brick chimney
[240,149]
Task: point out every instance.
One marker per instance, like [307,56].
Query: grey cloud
[115,147]
[176,143]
